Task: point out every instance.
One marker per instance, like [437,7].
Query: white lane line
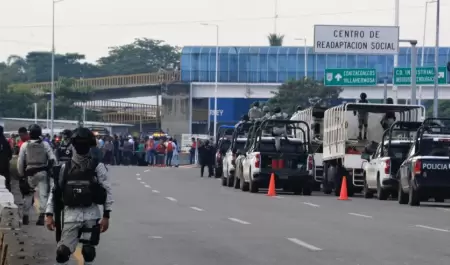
[238,221]
[433,228]
[138,178]
[147,186]
[303,244]
[197,209]
[155,237]
[155,191]
[311,204]
[143,183]
[147,170]
[171,199]
[279,197]
[361,215]
[443,209]
[137,174]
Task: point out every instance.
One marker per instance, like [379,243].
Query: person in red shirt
[23,134]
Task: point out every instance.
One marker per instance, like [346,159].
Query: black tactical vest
[81,187]
[65,152]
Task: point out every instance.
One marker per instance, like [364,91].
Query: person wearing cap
[255,112]
[83,184]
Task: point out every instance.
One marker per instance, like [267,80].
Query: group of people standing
[71,183]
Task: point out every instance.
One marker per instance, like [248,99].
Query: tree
[304,93]
[275,39]
[443,108]
[141,56]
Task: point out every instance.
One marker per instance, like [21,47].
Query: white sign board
[375,40]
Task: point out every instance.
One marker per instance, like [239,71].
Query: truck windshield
[432,147]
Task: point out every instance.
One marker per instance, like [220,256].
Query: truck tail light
[257,160]
[310,162]
[387,167]
[417,167]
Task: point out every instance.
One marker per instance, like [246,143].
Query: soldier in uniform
[64,151]
[363,117]
[278,114]
[255,112]
[266,112]
[35,159]
[83,184]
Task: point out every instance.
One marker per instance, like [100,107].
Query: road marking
[197,209]
[143,183]
[360,215]
[443,209]
[155,191]
[238,221]
[147,170]
[147,186]
[171,199]
[433,228]
[311,204]
[138,178]
[155,237]
[303,244]
[279,197]
[137,174]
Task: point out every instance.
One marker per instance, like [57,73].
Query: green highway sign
[424,76]
[350,77]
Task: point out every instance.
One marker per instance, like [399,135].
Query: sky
[90,27]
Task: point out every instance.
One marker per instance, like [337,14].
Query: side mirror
[365,156]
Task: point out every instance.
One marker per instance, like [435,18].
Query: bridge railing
[111,82]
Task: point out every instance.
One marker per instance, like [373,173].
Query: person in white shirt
[176,157]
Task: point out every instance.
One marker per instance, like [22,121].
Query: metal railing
[111,82]
[3,251]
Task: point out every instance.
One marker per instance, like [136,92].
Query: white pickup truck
[342,147]
[380,170]
[289,158]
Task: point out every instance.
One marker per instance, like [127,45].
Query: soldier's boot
[365,134]
[25,220]
[41,220]
[359,136]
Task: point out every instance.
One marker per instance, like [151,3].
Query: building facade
[279,64]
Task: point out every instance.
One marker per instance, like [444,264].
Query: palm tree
[275,39]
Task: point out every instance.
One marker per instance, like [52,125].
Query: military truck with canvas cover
[343,144]
[273,149]
[314,118]
[425,174]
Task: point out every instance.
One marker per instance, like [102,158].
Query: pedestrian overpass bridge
[152,84]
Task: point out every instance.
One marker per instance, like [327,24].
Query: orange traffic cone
[344,194]
[272,192]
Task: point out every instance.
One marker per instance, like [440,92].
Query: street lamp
[423,42]
[217,75]
[397,23]
[413,69]
[305,54]
[54,2]
[436,61]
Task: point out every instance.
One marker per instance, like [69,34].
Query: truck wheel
[368,194]
[297,188]
[236,181]
[307,190]
[414,198]
[402,196]
[253,186]
[224,181]
[244,185]
[382,194]
[230,180]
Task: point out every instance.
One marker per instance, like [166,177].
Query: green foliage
[303,93]
[275,39]
[443,109]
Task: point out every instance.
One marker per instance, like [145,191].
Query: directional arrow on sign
[441,75]
[338,77]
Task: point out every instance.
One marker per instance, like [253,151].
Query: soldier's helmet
[266,109]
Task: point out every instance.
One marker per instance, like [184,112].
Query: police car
[425,174]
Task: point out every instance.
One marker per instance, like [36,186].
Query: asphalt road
[168,216]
